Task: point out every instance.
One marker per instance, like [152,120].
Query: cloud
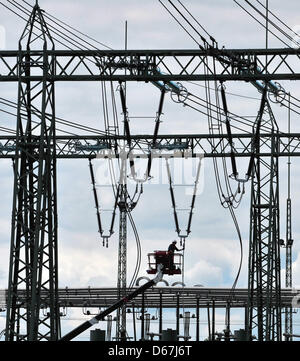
[296,271]
[4,265]
[205,273]
[85,267]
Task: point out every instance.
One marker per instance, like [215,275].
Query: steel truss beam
[106,296]
[87,146]
[177,65]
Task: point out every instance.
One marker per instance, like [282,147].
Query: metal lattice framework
[264,254]
[210,145]
[122,265]
[33,259]
[288,263]
[35,149]
[93,298]
[180,65]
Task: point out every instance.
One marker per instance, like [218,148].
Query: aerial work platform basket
[172,263]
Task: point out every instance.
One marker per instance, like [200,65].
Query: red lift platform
[164,258]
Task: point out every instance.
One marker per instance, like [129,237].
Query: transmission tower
[264,317]
[33,254]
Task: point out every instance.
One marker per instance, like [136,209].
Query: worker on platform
[171,249]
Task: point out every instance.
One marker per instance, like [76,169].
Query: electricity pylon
[33,254]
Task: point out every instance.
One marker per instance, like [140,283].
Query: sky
[212,252]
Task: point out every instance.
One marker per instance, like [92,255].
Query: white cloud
[205,273]
[79,266]
[296,271]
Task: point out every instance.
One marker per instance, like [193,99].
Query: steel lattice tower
[33,255]
[264,317]
[289,243]
[122,265]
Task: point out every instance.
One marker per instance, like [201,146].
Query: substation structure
[35,148]
[194,307]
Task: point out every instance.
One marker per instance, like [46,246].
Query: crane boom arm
[87,324]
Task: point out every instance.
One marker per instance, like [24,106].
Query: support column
[288,244]
[198,320]
[288,270]
[160,315]
[177,313]
[122,265]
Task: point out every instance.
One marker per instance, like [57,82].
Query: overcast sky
[212,252]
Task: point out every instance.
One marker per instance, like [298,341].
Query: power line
[50,16]
[263,25]
[178,22]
